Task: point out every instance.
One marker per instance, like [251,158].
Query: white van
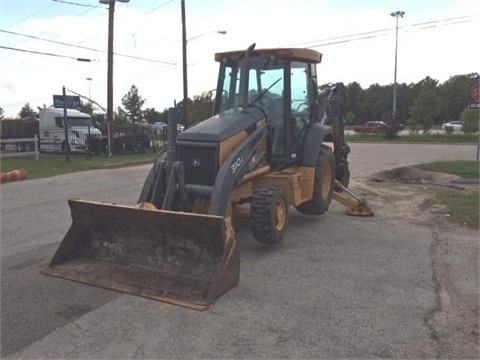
[52,132]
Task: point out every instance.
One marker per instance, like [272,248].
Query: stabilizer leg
[355,206]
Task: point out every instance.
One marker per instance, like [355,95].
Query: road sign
[474,106]
[72,102]
[476,92]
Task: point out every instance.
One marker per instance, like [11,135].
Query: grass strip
[461,207]
[460,167]
[50,165]
[421,138]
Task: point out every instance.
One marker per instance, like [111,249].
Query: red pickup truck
[371,127]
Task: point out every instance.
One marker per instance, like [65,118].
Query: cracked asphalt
[403,284]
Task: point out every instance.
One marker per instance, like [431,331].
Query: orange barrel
[13,175]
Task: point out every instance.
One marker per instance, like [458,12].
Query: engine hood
[223,126]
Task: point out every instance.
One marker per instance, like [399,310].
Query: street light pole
[393,128]
[111,11]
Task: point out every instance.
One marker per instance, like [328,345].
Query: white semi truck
[52,132]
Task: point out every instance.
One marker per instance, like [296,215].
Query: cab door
[301,108]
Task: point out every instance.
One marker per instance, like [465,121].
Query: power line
[158,7]
[345,38]
[29,16]
[45,53]
[379,35]
[90,7]
[85,47]
[73,3]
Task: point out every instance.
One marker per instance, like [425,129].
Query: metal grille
[200,164]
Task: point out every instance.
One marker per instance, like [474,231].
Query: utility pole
[185,81]
[392,132]
[184,63]
[111,12]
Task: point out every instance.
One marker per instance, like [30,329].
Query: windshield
[265,82]
[74,121]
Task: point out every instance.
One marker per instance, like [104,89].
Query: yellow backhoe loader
[268,147]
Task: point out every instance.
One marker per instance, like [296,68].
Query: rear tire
[323,185]
[269,214]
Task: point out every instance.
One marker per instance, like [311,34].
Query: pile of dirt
[416,176]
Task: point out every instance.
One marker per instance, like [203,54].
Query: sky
[41,40]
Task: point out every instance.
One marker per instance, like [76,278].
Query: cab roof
[308,55]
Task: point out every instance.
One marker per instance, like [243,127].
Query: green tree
[86,107]
[412,125]
[199,109]
[405,98]
[1,114]
[350,118]
[152,115]
[26,111]
[133,104]
[120,116]
[426,106]
[180,111]
[376,104]
[202,108]
[354,99]
[469,119]
[455,93]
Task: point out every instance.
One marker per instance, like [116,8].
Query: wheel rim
[327,180]
[280,215]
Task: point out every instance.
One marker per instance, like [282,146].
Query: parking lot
[402,284]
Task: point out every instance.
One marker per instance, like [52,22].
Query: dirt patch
[396,201]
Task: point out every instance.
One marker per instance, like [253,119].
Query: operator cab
[282,83]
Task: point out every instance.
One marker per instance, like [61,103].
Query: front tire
[323,185]
[269,214]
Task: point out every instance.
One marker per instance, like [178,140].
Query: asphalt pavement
[336,287]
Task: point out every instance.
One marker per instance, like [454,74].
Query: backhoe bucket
[180,258]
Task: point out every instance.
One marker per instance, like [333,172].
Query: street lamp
[89,79]
[393,128]
[111,11]
[184,51]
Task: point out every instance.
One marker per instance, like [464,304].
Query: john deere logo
[196,162]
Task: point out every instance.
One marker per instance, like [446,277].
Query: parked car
[452,126]
[159,126]
[371,127]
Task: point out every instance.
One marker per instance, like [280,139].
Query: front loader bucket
[180,258]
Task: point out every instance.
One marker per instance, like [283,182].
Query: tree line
[419,106]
